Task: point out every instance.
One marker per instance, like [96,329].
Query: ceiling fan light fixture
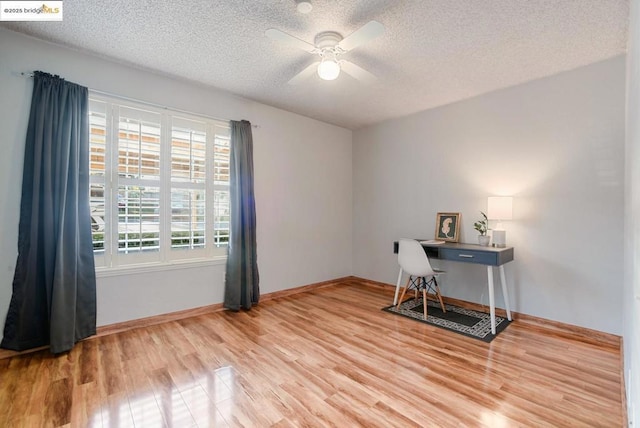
[304,6]
[329,69]
[329,46]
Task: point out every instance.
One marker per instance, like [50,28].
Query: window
[159,184]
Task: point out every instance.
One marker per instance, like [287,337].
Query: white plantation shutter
[159,184]
[221,183]
[97,169]
[188,185]
[139,134]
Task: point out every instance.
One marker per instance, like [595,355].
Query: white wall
[556,145]
[631,294]
[302,173]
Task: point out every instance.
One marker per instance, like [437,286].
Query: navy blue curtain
[54,285]
[242,281]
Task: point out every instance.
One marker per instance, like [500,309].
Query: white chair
[414,261]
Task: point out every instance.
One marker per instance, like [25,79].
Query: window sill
[102,272]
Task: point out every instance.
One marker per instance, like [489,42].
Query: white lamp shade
[328,69]
[500,208]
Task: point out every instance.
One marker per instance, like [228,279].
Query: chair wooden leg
[439,295]
[406,287]
[401,297]
[424,302]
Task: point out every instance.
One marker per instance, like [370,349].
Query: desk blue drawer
[469,256]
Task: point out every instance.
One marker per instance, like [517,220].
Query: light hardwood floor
[325,357]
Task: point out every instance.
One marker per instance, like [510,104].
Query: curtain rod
[30,75]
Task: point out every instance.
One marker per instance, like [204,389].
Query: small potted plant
[482,226]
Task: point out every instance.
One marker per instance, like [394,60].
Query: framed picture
[448,227]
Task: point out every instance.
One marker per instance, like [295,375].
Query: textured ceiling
[432,52]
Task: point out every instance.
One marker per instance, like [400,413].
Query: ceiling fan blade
[280,36]
[304,74]
[367,32]
[357,72]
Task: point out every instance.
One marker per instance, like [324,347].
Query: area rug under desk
[460,320]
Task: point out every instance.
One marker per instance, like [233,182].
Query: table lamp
[500,208]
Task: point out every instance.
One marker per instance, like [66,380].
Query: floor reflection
[494,420]
[191,403]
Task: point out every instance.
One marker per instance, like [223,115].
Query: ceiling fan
[329,46]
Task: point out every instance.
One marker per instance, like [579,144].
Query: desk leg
[492,303]
[505,293]
[395,297]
